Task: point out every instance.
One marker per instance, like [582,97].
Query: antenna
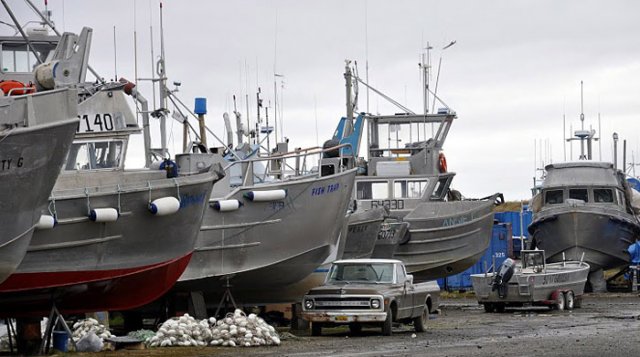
[315,112]
[153,73]
[275,75]
[115,56]
[366,48]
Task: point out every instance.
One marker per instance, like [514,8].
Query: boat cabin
[533,261]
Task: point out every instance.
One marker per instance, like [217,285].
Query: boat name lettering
[190,200]
[319,191]
[389,204]
[454,221]
[89,124]
[386,234]
[11,163]
[276,205]
[359,228]
[555,278]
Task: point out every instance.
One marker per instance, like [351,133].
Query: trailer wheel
[316,329]
[569,300]
[420,322]
[500,307]
[488,307]
[560,302]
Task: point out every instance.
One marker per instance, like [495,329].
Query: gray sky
[516,67]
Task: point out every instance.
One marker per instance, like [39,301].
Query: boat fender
[261,196]
[226,205]
[406,238]
[11,87]
[164,206]
[104,215]
[46,222]
[442,161]
[501,279]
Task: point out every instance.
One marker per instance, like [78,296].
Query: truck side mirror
[410,278]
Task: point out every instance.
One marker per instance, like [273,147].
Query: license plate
[342,318]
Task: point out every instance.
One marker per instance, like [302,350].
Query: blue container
[500,248]
[60,340]
[201,106]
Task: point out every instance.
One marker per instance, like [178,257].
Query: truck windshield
[362,273]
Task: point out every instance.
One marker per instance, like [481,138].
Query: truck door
[405,299]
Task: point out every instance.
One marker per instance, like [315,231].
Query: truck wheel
[316,329]
[355,328]
[387,324]
[420,322]
[569,300]
[488,307]
[500,307]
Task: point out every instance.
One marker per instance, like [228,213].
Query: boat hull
[79,254]
[265,246]
[31,159]
[363,230]
[446,237]
[602,236]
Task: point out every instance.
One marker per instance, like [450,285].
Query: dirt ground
[606,325]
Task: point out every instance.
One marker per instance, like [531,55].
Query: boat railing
[300,163]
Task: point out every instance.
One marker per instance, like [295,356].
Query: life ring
[442,163]
[11,87]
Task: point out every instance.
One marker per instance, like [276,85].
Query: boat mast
[348,128]
[163,89]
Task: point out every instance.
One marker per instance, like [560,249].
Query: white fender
[164,206]
[226,205]
[103,215]
[270,195]
[46,222]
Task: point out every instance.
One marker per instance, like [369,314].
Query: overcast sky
[514,71]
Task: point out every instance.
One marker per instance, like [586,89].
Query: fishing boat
[117,238]
[444,234]
[36,130]
[584,207]
[268,229]
[532,282]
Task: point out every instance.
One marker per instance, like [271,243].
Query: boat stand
[11,331]
[226,298]
[54,317]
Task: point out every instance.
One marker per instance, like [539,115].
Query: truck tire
[355,328]
[488,307]
[420,322]
[387,324]
[569,300]
[500,307]
[316,329]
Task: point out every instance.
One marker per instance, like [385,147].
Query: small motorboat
[533,282]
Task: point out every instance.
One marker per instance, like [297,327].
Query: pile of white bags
[236,329]
[84,327]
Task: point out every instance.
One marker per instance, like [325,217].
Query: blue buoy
[201,106]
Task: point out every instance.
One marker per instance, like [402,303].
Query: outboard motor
[501,279]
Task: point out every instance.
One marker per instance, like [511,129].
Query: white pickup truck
[375,292]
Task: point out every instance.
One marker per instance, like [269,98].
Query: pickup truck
[377,292]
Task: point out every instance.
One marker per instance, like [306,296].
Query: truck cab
[375,292]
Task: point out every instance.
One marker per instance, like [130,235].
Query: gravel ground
[606,325]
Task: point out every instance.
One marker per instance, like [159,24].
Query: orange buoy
[11,87]
[443,163]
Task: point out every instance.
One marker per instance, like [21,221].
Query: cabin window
[553,197]
[579,194]
[18,60]
[400,273]
[94,155]
[440,189]
[602,195]
[372,190]
[409,189]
